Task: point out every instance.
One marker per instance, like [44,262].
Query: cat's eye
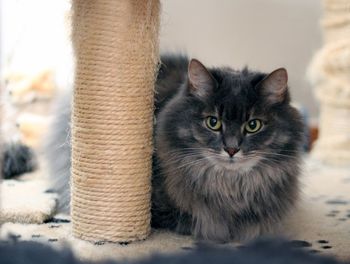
[253,126]
[213,123]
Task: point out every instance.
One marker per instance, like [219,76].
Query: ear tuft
[201,82]
[274,87]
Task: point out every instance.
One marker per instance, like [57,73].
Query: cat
[227,151]
[17,159]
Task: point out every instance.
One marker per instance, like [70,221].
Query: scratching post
[116,50]
[330,74]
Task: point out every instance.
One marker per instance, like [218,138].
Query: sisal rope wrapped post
[330,75]
[116,51]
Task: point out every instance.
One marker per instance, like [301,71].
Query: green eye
[213,123]
[253,126]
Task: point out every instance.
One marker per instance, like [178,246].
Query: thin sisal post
[116,52]
[330,74]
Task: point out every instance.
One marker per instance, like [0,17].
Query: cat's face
[234,120]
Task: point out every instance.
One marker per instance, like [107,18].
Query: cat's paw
[213,232]
[184,227]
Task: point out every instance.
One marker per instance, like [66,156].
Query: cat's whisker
[186,150]
[285,152]
[180,161]
[177,156]
[181,156]
[188,165]
[270,163]
[270,154]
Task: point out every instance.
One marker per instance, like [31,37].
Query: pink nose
[231,151]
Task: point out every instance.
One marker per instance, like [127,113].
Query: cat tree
[116,50]
[330,74]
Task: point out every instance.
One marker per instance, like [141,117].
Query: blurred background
[37,63]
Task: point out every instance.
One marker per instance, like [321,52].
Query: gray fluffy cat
[227,151]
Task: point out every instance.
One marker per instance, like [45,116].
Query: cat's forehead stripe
[236,94]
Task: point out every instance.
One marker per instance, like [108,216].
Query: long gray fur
[196,189]
[58,151]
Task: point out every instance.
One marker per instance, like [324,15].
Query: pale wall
[263,34]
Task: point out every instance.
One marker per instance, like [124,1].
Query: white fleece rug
[26,201]
[320,224]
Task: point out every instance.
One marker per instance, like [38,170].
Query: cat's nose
[231,151]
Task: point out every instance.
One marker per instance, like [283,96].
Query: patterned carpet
[320,223]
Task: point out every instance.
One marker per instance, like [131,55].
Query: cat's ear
[201,82]
[274,87]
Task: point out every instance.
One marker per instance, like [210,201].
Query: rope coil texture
[116,52]
[329,72]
